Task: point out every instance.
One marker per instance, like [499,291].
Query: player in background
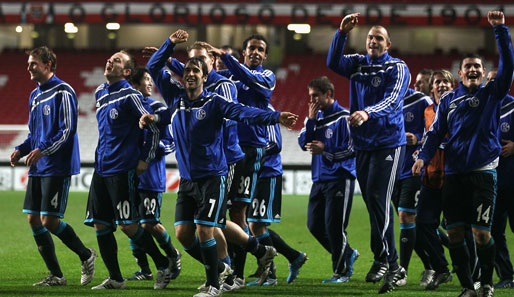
[406,189]
[152,185]
[326,136]
[228,49]
[470,116]
[378,83]
[266,209]
[504,208]
[52,155]
[429,206]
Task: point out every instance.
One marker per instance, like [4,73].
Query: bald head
[377,42]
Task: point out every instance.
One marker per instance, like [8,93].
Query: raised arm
[263,81]
[162,78]
[504,77]
[336,61]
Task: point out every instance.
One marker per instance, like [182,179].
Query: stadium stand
[84,71]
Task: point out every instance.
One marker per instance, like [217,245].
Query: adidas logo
[389,158]
[277,216]
[339,194]
[221,221]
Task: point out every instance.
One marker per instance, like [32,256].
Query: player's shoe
[208,292]
[504,284]
[265,261]
[257,272]
[109,284]
[51,281]
[468,293]
[391,278]
[486,291]
[349,263]
[336,278]
[270,281]
[227,271]
[88,269]
[294,267]
[239,283]
[426,277]
[229,284]
[439,279]
[377,272]
[176,265]
[162,278]
[139,275]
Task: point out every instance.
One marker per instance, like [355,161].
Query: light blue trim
[264,235]
[30,211]
[455,225]
[407,210]
[38,230]
[126,222]
[206,223]
[208,243]
[406,226]
[60,228]
[221,198]
[49,213]
[103,232]
[93,220]
[183,223]
[273,184]
[149,221]
[245,200]
[481,227]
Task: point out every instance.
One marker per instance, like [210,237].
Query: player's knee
[456,235]
[482,237]
[184,235]
[50,222]
[129,229]
[257,228]
[149,227]
[34,220]
[407,217]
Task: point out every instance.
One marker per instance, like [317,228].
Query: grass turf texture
[21,264]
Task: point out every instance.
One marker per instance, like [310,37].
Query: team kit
[440,148]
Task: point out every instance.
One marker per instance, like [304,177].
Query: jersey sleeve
[336,61]
[249,115]
[163,80]
[435,134]
[307,133]
[176,67]
[503,81]
[138,107]
[262,81]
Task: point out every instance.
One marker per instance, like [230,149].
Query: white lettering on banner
[251,13]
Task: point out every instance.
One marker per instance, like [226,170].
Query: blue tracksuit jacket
[53,117]
[506,165]
[378,87]
[120,141]
[472,119]
[332,128]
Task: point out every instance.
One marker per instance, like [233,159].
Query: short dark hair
[199,46]
[323,84]
[137,75]
[426,71]
[234,53]
[46,55]
[131,63]
[471,56]
[258,37]
[198,62]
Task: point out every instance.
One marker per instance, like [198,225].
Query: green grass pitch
[21,264]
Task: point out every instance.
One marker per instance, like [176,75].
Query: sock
[194,250]
[109,251]
[460,259]
[140,255]
[164,241]
[486,254]
[46,248]
[282,247]
[240,259]
[227,261]
[407,243]
[143,239]
[67,235]
[210,260]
